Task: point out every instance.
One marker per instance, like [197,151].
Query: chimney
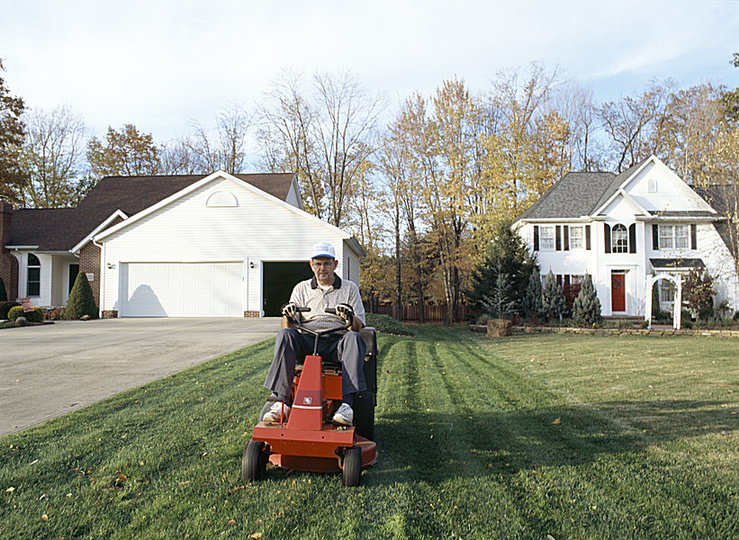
[6,214]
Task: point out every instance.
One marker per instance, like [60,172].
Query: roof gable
[220,175]
[62,229]
[579,195]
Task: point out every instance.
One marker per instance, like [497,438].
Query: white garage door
[182,289]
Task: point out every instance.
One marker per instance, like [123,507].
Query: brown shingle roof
[60,229]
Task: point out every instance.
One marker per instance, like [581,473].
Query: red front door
[618,292]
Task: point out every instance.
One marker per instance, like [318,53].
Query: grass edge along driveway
[534,436]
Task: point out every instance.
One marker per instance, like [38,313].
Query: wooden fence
[413,312]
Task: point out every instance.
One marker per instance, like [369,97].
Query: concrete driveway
[47,371]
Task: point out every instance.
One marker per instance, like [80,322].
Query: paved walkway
[47,371]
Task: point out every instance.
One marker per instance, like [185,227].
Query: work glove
[346,312]
[289,310]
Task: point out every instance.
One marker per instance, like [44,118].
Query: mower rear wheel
[364,415]
[254,461]
[352,467]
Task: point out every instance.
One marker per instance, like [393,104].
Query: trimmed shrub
[553,303]
[5,307]
[35,316]
[81,301]
[586,308]
[3,292]
[532,299]
[387,325]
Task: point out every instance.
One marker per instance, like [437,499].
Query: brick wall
[90,264]
[8,262]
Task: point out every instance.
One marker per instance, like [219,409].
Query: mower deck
[310,450]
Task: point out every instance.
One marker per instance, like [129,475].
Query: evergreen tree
[3,292]
[81,301]
[500,301]
[506,254]
[552,298]
[532,298]
[586,308]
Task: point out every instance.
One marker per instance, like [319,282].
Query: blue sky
[159,63]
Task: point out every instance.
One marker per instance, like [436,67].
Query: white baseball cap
[323,249]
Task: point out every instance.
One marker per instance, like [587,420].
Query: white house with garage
[220,245]
[630,231]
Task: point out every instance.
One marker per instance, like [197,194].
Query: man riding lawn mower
[320,416]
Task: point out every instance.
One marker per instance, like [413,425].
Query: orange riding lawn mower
[308,441]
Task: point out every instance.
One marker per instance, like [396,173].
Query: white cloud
[157,63]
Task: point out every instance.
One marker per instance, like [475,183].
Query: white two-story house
[626,230]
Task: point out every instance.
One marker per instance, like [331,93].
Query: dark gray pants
[292,347]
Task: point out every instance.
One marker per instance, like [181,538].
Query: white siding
[186,230]
[672,194]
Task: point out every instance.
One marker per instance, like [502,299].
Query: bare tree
[226,150]
[325,136]
[52,157]
[635,126]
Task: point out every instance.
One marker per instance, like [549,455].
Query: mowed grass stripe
[467,447]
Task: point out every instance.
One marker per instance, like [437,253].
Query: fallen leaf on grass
[557,422]
[11,489]
[232,522]
[256,535]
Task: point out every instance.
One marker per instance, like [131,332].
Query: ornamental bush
[81,301]
[387,325]
[5,307]
[698,294]
[35,316]
[532,298]
[586,307]
[553,302]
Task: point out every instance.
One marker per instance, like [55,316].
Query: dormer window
[33,276]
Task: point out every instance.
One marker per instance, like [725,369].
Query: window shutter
[693,236]
[558,237]
[607,231]
[632,238]
[587,237]
[536,238]
[655,236]
[567,237]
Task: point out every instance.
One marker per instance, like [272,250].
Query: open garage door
[279,278]
[174,289]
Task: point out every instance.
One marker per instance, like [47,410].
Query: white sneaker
[344,416]
[272,416]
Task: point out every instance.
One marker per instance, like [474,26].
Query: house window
[652,185]
[33,276]
[674,236]
[619,239]
[666,292]
[577,237]
[546,238]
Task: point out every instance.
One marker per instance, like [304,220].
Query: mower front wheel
[352,467]
[254,461]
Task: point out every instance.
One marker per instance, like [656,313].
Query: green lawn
[534,436]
